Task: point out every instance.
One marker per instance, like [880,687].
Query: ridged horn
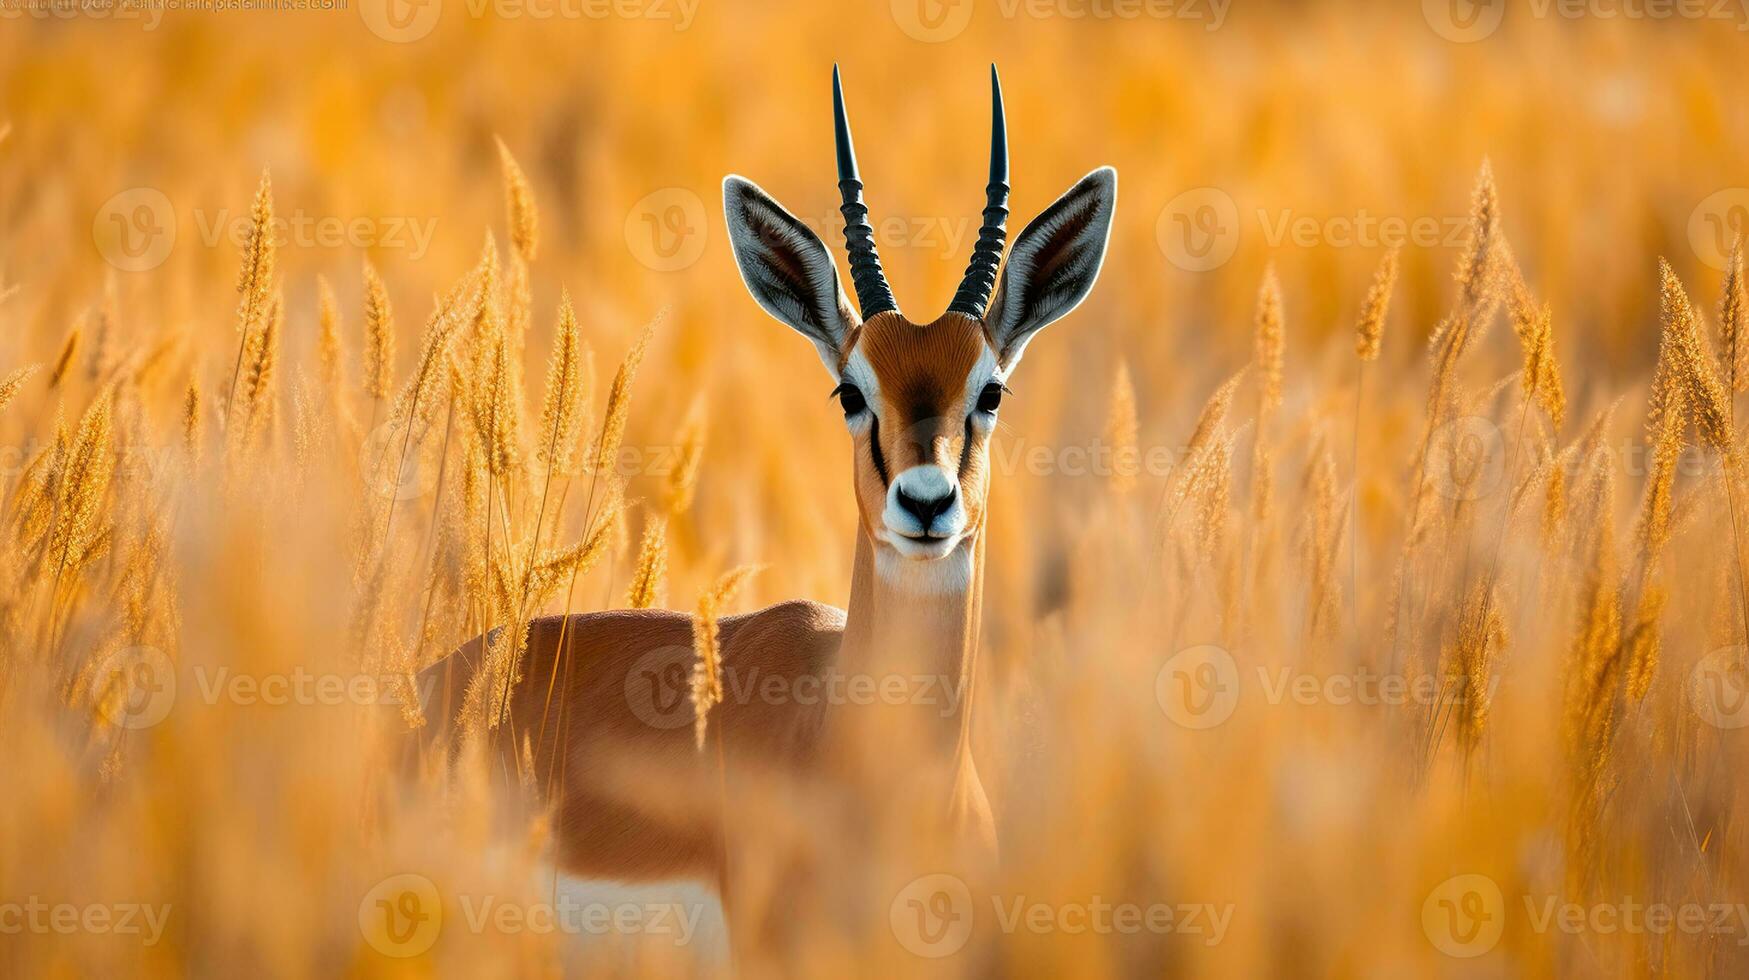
[872,292]
[973,296]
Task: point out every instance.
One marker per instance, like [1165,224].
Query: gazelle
[607,717]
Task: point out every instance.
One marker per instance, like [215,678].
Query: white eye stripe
[986,370]
[858,372]
[982,373]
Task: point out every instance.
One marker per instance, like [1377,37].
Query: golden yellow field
[1293,662]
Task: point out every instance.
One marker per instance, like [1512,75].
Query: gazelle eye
[990,399]
[850,397]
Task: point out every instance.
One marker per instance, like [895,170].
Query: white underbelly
[676,922]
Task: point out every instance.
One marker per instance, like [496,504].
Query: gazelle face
[921,400]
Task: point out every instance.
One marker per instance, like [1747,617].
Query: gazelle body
[605,712]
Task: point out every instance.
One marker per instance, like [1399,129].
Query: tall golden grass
[1473,602]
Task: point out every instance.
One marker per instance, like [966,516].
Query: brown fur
[635,800]
[629,794]
[922,370]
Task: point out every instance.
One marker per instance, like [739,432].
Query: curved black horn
[974,292]
[872,292]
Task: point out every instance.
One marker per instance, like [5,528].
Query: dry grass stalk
[648,578]
[1643,644]
[77,534]
[1186,477]
[1533,325]
[64,359]
[613,422]
[681,484]
[1214,485]
[1268,343]
[1690,365]
[1594,671]
[1556,485]
[1268,346]
[263,363]
[1120,430]
[255,279]
[1213,414]
[1475,273]
[328,335]
[561,415]
[518,307]
[540,584]
[379,336]
[1652,530]
[191,434]
[1322,537]
[1733,317]
[418,398]
[1370,332]
[519,203]
[495,412]
[14,382]
[1677,386]
[1481,635]
[1368,341]
[707,669]
[103,348]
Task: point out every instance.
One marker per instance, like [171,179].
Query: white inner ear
[828,357]
[1022,305]
[765,240]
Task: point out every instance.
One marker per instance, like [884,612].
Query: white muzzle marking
[924,516]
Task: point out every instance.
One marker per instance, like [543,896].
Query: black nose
[926,510]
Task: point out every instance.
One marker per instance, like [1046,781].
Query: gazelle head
[921,399]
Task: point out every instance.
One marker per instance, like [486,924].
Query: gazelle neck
[914,625]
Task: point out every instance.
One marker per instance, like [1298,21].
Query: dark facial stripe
[966,449]
[874,447]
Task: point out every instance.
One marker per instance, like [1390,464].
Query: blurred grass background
[1613,139]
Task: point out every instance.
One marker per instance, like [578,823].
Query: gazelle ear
[786,267]
[1053,263]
